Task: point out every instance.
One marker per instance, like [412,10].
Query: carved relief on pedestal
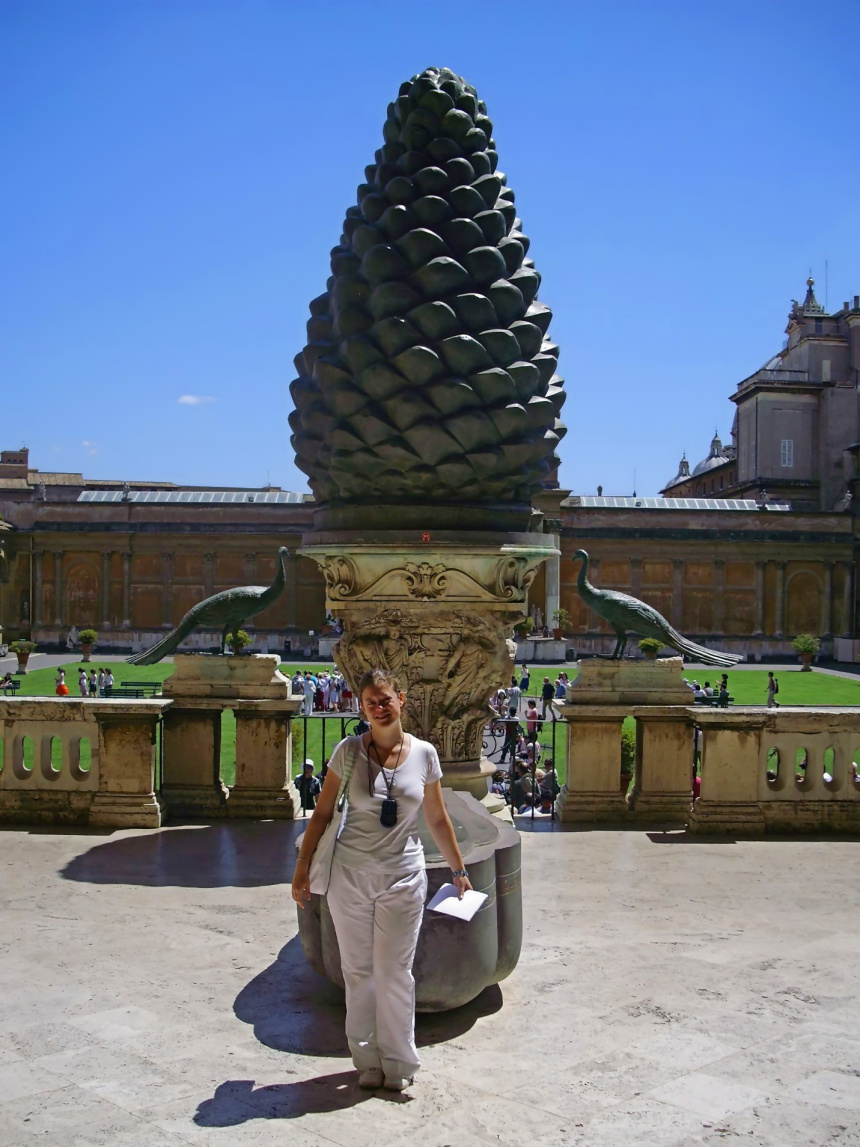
[447,661]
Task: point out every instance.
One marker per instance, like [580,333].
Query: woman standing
[378,882]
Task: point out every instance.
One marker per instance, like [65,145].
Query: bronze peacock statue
[629,613]
[227,611]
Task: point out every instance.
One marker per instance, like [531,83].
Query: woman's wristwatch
[460,872]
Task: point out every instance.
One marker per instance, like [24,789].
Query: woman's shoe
[398,1082]
[371,1078]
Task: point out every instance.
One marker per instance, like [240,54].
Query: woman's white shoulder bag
[321,861]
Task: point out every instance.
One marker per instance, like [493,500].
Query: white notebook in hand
[447,901]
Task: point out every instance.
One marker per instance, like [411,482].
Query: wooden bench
[13,685]
[713,702]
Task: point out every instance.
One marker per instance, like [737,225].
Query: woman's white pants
[377,917]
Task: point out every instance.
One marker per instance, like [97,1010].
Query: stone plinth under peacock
[426,417]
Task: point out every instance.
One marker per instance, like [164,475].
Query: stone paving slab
[672,992]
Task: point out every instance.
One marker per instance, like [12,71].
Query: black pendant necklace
[388,812]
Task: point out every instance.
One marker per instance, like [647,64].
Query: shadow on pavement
[293,1009]
[239,854]
[237,1101]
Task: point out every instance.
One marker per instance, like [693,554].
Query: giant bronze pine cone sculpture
[428,376]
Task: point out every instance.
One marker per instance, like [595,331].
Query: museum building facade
[755,544]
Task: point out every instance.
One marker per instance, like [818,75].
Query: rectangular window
[786,453]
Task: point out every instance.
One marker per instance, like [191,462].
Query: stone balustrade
[778,770]
[79,762]
[93,762]
[762,770]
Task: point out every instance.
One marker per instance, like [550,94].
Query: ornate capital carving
[424,581]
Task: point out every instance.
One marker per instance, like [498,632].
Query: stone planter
[556,635]
[86,651]
[806,662]
[23,658]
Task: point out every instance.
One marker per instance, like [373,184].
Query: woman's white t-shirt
[364,842]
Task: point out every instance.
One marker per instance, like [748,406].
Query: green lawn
[746,686]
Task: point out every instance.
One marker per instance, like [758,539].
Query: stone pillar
[719,597]
[758,625]
[38,594]
[126,589]
[848,602]
[208,575]
[677,592]
[826,626]
[592,792]
[127,754]
[264,786]
[58,587]
[779,622]
[662,789]
[732,772]
[106,560]
[167,591]
[191,780]
[439,613]
[553,587]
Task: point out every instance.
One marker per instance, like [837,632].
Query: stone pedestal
[202,686]
[455,960]
[604,693]
[438,610]
[608,682]
[662,791]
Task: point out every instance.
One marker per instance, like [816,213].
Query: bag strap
[348,769]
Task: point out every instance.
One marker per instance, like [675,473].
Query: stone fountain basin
[455,960]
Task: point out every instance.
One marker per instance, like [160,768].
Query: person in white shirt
[378,882]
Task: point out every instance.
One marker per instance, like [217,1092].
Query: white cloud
[195,399]
[90,447]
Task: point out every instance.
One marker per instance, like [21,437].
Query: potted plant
[562,622]
[238,640]
[523,628]
[807,646]
[22,650]
[650,646]
[87,639]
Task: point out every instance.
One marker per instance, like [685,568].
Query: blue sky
[176,173]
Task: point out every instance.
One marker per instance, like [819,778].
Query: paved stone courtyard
[153,992]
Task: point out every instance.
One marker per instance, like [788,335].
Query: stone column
[106,559]
[719,597]
[439,614]
[592,792]
[758,625]
[553,586]
[208,575]
[126,762]
[848,602]
[779,622]
[36,619]
[167,591]
[662,790]
[126,589]
[732,772]
[826,626]
[58,587]
[264,785]
[677,592]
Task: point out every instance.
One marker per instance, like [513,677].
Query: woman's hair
[378,679]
